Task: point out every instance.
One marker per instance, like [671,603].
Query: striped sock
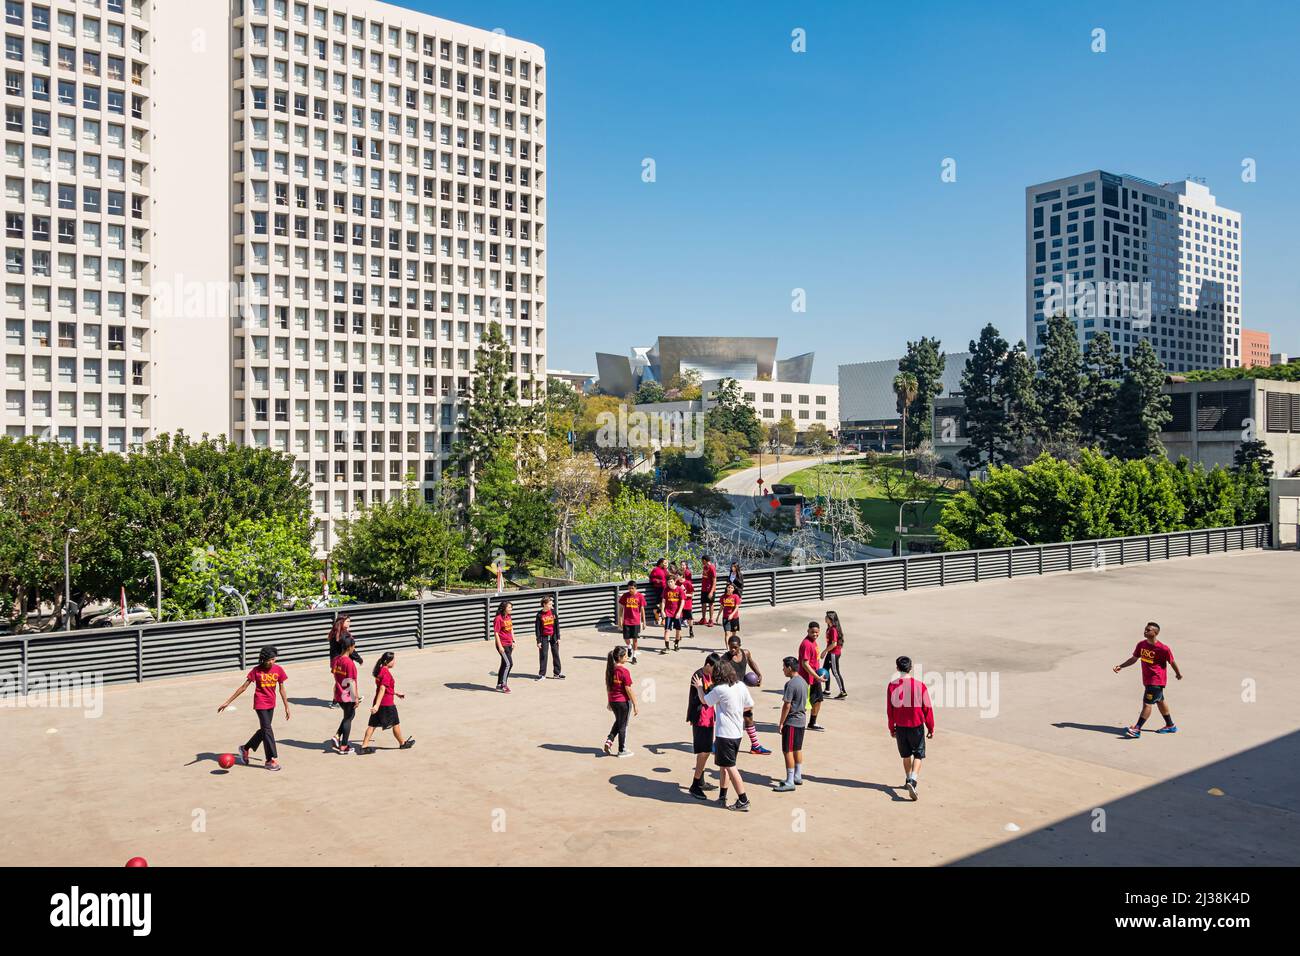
[753,736]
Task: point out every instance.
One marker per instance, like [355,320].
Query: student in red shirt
[671,603]
[911,720]
[730,603]
[503,632]
[688,602]
[708,586]
[658,582]
[618,690]
[267,677]
[1155,657]
[809,670]
[546,628]
[631,605]
[383,712]
[831,656]
[346,692]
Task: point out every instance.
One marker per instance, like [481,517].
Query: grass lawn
[734,467]
[877,510]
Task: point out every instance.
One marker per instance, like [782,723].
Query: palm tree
[905,387]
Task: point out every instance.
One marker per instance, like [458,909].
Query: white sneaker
[625,753]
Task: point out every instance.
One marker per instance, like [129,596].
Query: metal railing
[175,649]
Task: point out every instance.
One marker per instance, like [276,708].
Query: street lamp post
[230,589]
[667,499]
[900,521]
[67,578]
[157,585]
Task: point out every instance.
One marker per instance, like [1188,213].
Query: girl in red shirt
[730,610]
[268,676]
[618,690]
[834,645]
[383,712]
[503,631]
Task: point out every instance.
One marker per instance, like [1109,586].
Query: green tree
[495,411]
[1024,415]
[266,560]
[987,429]
[393,550]
[650,393]
[1142,409]
[1102,372]
[905,391]
[1254,452]
[1059,387]
[817,439]
[506,515]
[628,535]
[784,432]
[925,362]
[732,413]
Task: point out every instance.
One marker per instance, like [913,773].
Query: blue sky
[821,170]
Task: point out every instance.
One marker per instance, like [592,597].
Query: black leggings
[345,725]
[833,665]
[507,664]
[621,709]
[264,734]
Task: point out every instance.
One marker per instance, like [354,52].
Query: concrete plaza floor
[1036,773]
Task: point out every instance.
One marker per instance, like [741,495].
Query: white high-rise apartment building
[1138,260]
[293,222]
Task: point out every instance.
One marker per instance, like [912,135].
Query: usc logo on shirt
[269,679]
[729,602]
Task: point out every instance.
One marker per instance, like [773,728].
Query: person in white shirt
[729,698]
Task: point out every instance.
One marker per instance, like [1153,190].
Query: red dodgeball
[137,861]
[226,761]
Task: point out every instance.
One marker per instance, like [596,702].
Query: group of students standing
[269,678]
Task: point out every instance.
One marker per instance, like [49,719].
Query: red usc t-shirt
[548,623]
[385,681]
[808,657]
[622,681]
[833,641]
[342,668]
[265,683]
[688,589]
[672,601]
[1154,657]
[708,579]
[730,606]
[505,629]
[632,605]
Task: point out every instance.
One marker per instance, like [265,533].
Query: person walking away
[911,721]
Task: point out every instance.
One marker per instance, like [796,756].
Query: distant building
[1255,349]
[582,381]
[1279,358]
[805,403]
[711,357]
[1210,421]
[868,406]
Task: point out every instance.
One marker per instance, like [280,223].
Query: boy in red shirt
[1154,657]
[708,585]
[809,670]
[911,720]
[688,601]
[671,603]
[631,606]
[268,677]
[658,583]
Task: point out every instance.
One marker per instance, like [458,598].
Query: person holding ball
[748,674]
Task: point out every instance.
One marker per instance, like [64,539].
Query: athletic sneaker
[1171,729]
[633,658]
[542,676]
[816,727]
[840,696]
[626,753]
[410,742]
[785,786]
[910,787]
[741,805]
[243,755]
[273,765]
[608,744]
[664,651]
[760,750]
[505,690]
[677,644]
[798,781]
[338,748]
[337,740]
[559,677]
[1132,732]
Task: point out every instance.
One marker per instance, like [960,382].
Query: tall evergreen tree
[1102,372]
[925,361]
[1024,414]
[495,411]
[986,415]
[1141,409]
[1060,383]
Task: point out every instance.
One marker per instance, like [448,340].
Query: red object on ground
[226,761]
[775,503]
[137,861]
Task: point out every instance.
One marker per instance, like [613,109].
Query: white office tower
[1138,260]
[286,221]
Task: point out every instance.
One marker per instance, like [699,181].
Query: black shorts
[791,739]
[732,625]
[911,741]
[631,632]
[707,599]
[672,623]
[702,739]
[385,717]
[816,692]
[725,750]
[1153,694]
[686,614]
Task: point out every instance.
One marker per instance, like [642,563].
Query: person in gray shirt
[794,719]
